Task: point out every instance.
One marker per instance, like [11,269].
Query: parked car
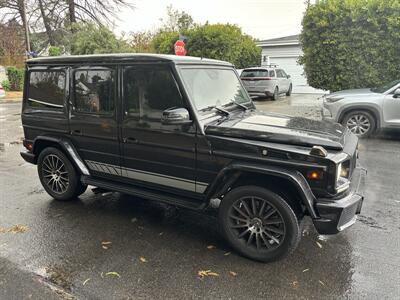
[364,111]
[2,91]
[183,131]
[267,81]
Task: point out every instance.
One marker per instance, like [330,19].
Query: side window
[46,89]
[94,91]
[280,73]
[148,92]
[284,74]
[271,73]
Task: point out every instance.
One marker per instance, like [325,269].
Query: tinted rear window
[254,73]
[46,89]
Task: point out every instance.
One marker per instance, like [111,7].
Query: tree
[12,44]
[91,39]
[176,20]
[218,41]
[141,42]
[351,43]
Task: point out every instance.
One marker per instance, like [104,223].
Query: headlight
[333,99]
[342,176]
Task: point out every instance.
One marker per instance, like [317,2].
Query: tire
[289,92]
[360,122]
[58,176]
[247,231]
[275,95]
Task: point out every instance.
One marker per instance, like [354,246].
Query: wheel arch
[370,109]
[66,146]
[289,184]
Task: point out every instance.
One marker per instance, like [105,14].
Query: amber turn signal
[28,145]
[314,175]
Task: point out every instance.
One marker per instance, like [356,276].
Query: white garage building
[285,52]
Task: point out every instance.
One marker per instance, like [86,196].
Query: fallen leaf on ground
[133,220]
[113,274]
[233,273]
[86,281]
[161,233]
[321,282]
[18,229]
[319,244]
[306,270]
[227,253]
[3,230]
[106,243]
[101,275]
[203,274]
[295,284]
[210,247]
[142,259]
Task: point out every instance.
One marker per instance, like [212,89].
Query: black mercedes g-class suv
[183,130]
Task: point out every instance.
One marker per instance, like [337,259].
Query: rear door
[283,82]
[93,118]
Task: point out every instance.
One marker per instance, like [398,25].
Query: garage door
[290,66]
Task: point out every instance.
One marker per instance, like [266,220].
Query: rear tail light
[28,145]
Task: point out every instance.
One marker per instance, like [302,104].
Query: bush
[351,43]
[15,78]
[54,51]
[6,85]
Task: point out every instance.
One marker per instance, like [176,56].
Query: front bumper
[337,214]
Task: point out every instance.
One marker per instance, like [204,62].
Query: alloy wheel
[55,174]
[257,223]
[358,124]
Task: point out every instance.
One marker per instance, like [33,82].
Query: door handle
[76,132]
[129,140]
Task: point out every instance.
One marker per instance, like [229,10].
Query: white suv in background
[267,81]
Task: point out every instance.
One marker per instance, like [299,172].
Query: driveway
[117,247]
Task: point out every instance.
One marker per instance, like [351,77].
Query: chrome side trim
[166,180]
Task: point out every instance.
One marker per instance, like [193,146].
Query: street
[118,247]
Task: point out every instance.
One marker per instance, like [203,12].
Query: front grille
[347,214]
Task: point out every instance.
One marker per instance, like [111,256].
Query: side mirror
[175,116]
[396,93]
[288,76]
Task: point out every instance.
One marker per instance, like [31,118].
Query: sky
[262,19]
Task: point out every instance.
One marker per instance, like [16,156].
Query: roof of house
[286,40]
[125,57]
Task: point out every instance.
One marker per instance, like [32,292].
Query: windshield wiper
[240,105]
[219,109]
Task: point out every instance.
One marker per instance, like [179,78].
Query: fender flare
[231,173]
[342,113]
[68,148]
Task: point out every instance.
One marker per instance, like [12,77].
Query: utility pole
[26,27]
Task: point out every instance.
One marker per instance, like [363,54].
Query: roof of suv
[126,57]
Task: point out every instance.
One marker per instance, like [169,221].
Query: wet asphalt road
[59,253]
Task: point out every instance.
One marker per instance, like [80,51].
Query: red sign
[180,48]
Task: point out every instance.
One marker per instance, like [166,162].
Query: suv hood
[283,129]
[351,93]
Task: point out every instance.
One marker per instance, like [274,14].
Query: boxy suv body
[267,81]
[182,130]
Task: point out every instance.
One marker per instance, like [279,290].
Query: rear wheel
[360,122]
[258,223]
[58,176]
[275,94]
[289,92]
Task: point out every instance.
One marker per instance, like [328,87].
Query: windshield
[211,87]
[384,88]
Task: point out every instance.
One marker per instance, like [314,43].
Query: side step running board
[144,193]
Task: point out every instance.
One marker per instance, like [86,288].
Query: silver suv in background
[266,81]
[364,111]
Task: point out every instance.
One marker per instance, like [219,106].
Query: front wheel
[289,92]
[258,223]
[275,95]
[58,175]
[361,123]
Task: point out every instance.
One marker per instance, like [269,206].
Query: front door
[93,118]
[156,155]
[391,110]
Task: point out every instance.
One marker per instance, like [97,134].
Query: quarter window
[94,91]
[149,92]
[46,89]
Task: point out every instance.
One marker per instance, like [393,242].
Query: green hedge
[6,85]
[351,43]
[15,78]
